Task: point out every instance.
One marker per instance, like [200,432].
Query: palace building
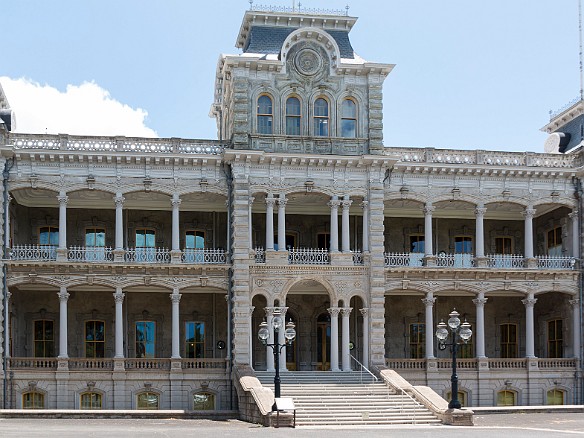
[137,271]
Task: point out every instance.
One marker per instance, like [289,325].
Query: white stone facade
[143,267]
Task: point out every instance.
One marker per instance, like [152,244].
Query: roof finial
[347,9]
[250,5]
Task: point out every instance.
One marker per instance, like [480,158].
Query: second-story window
[293,116]
[554,242]
[49,240]
[94,244]
[349,119]
[321,118]
[194,245]
[503,245]
[265,115]
[145,339]
[94,339]
[145,244]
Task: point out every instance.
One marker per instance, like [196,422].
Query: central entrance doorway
[323,342]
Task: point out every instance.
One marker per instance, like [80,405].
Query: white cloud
[85,109]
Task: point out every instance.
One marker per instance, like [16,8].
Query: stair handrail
[363,367]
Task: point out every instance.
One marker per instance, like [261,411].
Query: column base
[429,261]
[119,255]
[481,262]
[531,263]
[175,256]
[62,254]
[119,364]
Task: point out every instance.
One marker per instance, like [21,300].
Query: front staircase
[346,398]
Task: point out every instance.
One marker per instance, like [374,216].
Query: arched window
[555,397]
[461,397]
[349,119]
[265,115]
[148,400]
[90,400]
[204,401]
[506,398]
[293,116]
[321,118]
[33,400]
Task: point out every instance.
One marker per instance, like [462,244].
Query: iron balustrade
[147,255]
[40,253]
[207,256]
[509,261]
[308,256]
[260,255]
[90,254]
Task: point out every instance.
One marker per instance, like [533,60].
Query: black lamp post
[289,334]
[460,333]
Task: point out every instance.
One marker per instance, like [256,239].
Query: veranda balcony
[307,256]
[47,253]
[498,261]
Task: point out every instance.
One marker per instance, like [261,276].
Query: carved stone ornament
[308,62]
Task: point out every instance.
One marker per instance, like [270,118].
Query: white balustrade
[260,255]
[555,262]
[90,254]
[308,256]
[206,256]
[147,255]
[39,253]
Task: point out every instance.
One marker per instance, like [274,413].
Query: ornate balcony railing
[90,254]
[399,260]
[308,256]
[48,363]
[472,364]
[555,262]
[260,255]
[207,364]
[568,362]
[147,255]
[358,258]
[206,256]
[464,364]
[299,10]
[508,261]
[147,364]
[406,364]
[116,144]
[454,260]
[40,253]
[91,364]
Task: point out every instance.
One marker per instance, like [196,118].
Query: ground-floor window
[506,398]
[90,400]
[555,397]
[508,340]
[204,401]
[145,339]
[33,400]
[461,397]
[148,400]
[94,339]
[44,338]
[555,338]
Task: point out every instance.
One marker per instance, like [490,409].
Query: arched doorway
[291,350]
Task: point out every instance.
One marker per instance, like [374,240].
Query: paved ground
[487,426]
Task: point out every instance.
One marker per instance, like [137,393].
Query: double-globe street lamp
[461,333]
[289,335]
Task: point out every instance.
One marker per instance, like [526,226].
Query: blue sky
[470,74]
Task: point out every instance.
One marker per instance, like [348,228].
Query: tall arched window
[349,119]
[265,115]
[321,118]
[90,400]
[293,116]
[33,400]
[148,400]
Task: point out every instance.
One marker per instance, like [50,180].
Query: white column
[282,339]
[119,200]
[334,312]
[345,340]
[528,213]
[119,339]
[480,302]
[365,207]
[429,303]
[175,222]
[428,209]
[269,352]
[334,205]
[346,240]
[480,230]
[529,302]
[575,234]
[250,214]
[270,221]
[175,298]
[7,325]
[63,298]
[365,358]
[576,327]
[282,223]
[63,198]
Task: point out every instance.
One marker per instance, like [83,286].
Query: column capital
[175,298]
[480,302]
[119,297]
[334,311]
[119,200]
[270,202]
[528,213]
[364,204]
[428,302]
[573,215]
[175,201]
[63,199]
[281,310]
[282,202]
[346,311]
[250,200]
[63,295]
[346,203]
[480,211]
[574,303]
[364,311]
[429,209]
[8,295]
[529,302]
[269,311]
[334,204]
